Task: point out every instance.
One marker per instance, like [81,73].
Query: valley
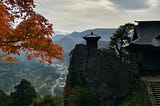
[47,79]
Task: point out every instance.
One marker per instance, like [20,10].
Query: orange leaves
[8,58]
[30,56]
[4,18]
[45,52]
[35,26]
[32,34]
[14,60]
[19,8]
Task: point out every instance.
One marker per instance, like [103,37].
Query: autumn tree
[120,38]
[22,29]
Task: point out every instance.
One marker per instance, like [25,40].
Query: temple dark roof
[92,40]
[91,36]
[147,33]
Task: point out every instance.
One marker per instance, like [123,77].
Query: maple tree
[32,33]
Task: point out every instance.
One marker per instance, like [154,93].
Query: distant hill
[105,34]
[69,41]
[103,44]
[57,37]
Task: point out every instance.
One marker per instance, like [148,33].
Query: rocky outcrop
[101,74]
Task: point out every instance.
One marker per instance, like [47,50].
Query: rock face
[101,74]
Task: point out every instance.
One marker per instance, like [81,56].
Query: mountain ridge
[68,41]
[105,34]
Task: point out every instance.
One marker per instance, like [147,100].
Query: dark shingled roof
[91,36]
[147,33]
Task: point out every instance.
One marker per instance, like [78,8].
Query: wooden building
[146,46]
[92,40]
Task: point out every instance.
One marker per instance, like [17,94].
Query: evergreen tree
[120,38]
[80,96]
[48,100]
[4,99]
[23,94]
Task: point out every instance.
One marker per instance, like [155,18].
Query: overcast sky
[80,15]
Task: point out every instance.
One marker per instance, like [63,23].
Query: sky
[79,15]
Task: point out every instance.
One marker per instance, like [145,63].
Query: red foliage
[32,34]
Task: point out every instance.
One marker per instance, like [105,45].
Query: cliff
[96,78]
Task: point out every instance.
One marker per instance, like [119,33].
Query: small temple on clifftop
[92,40]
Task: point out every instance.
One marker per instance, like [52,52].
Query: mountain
[76,37]
[57,37]
[68,41]
[103,44]
[105,34]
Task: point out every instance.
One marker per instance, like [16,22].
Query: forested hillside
[42,76]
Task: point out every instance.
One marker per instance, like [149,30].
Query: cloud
[71,15]
[79,15]
[131,4]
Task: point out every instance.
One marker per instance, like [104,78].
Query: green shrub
[133,98]
[82,97]
[48,100]
[4,99]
